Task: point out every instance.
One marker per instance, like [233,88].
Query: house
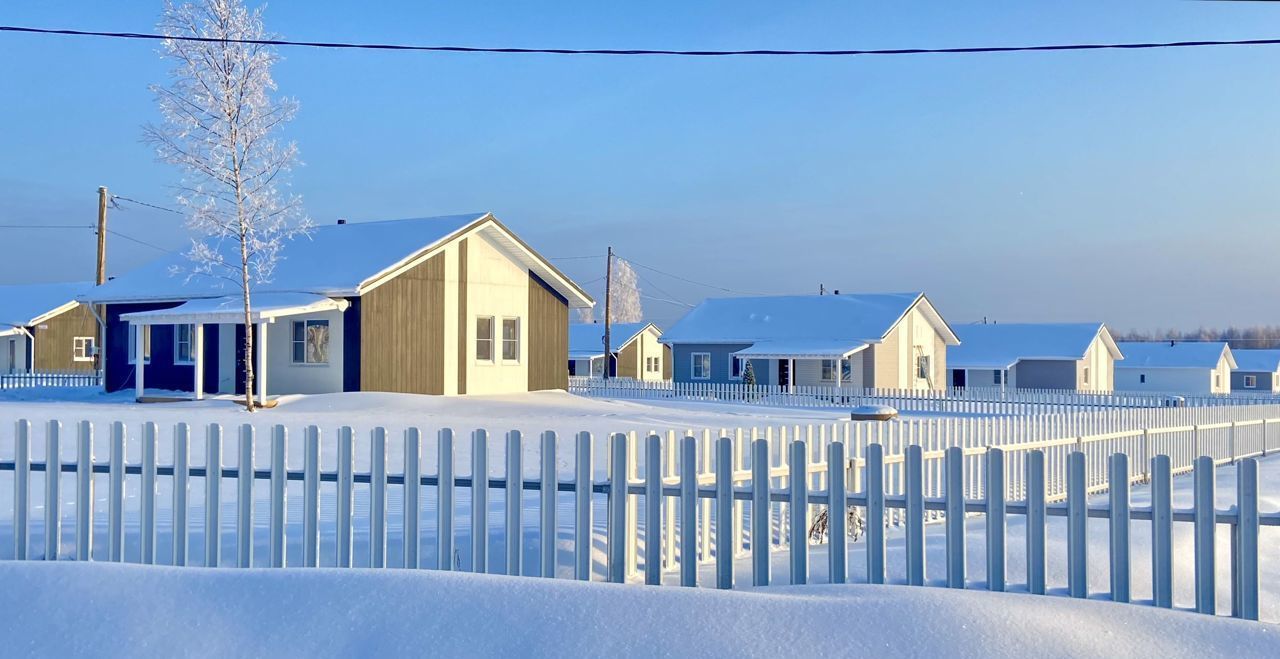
[637,352]
[439,305]
[44,329]
[1256,371]
[1071,356]
[873,340]
[1175,367]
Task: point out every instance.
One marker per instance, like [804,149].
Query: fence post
[115,494]
[52,495]
[21,485]
[995,520]
[689,511]
[212,495]
[799,473]
[181,476]
[311,497]
[875,515]
[582,507]
[1077,525]
[653,510]
[244,499]
[346,483]
[479,501]
[724,513]
[514,503]
[1204,531]
[954,483]
[1035,522]
[837,513]
[378,498]
[1119,511]
[1161,532]
[1245,588]
[616,544]
[147,502]
[444,488]
[549,484]
[279,490]
[761,513]
[915,514]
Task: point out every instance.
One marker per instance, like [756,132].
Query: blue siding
[682,364]
[161,372]
[351,346]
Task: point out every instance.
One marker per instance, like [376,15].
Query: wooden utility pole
[102,235]
[608,284]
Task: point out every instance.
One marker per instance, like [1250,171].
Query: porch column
[197,337]
[840,373]
[261,342]
[791,375]
[139,360]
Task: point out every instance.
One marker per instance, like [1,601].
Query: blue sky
[1133,187]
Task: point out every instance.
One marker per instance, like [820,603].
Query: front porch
[803,363]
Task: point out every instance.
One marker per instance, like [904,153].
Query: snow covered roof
[801,349]
[861,317]
[230,310]
[1163,354]
[337,260]
[23,305]
[586,340]
[1002,345]
[1257,361]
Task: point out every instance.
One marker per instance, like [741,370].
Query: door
[957,378]
[784,372]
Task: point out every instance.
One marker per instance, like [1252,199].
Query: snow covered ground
[69,609]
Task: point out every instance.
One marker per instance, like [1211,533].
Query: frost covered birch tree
[624,294]
[221,125]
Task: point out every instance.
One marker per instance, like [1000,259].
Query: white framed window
[510,339]
[651,364]
[82,349]
[145,330]
[922,367]
[737,366]
[309,341]
[1086,375]
[828,370]
[1250,382]
[182,353]
[484,338]
[700,366]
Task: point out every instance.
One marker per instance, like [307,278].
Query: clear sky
[1133,187]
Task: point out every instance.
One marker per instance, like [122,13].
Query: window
[652,365]
[182,344]
[1250,382]
[82,349]
[484,339]
[700,368]
[922,367]
[1142,378]
[828,370]
[310,341]
[997,376]
[1086,375]
[736,367]
[1217,380]
[510,339]
[145,330]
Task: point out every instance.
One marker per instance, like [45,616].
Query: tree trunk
[249,375]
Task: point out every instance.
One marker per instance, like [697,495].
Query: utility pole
[101,276]
[608,284]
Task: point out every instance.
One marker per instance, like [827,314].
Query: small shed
[1256,371]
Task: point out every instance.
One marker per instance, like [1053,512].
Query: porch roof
[230,310]
[802,349]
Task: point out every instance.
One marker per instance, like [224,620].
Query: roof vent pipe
[342,220]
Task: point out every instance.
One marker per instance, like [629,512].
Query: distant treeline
[1260,337]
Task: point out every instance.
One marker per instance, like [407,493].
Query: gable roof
[1259,361]
[1162,354]
[860,317]
[587,339]
[31,304]
[338,260]
[1001,345]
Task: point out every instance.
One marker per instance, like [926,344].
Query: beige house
[637,353]
[43,329]
[1067,356]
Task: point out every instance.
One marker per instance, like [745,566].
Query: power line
[115,197]
[577,258]
[46,226]
[690,281]
[675,302]
[140,242]
[640,51]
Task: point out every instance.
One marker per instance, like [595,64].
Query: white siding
[1188,380]
[1101,368]
[499,288]
[227,358]
[647,347]
[285,377]
[19,363]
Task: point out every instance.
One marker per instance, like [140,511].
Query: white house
[867,340]
[1256,371]
[1072,356]
[636,353]
[1175,367]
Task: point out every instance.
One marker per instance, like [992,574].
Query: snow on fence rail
[699,498]
[50,379]
[953,400]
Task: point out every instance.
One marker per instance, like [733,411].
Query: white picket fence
[51,379]
[970,400]
[698,495]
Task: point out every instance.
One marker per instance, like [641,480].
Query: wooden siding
[627,360]
[402,332]
[667,364]
[462,316]
[548,337]
[55,340]
[888,358]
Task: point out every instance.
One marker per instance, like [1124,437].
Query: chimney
[342,220]
[835,292]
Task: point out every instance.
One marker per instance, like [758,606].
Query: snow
[587,339]
[76,609]
[1259,361]
[858,317]
[21,305]
[796,348]
[230,309]
[1001,345]
[333,260]
[1163,354]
